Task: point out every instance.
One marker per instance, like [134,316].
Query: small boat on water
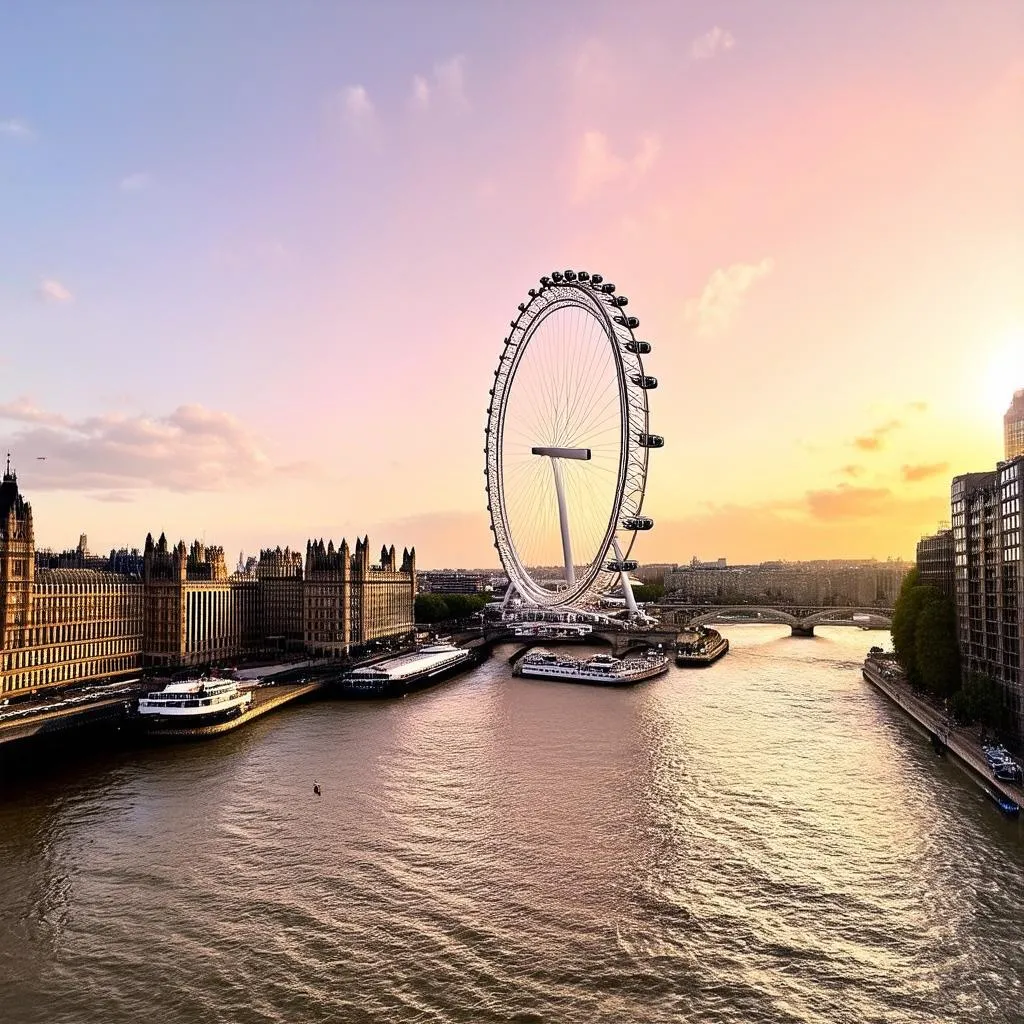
[1010,808]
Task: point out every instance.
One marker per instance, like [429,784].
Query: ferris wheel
[568,441]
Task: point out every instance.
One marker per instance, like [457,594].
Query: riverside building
[61,625]
[177,607]
[989,577]
[1013,427]
[935,561]
[348,602]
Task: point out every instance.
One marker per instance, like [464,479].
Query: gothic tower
[17,563]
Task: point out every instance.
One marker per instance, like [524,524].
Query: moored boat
[194,702]
[600,670]
[703,647]
[395,677]
[1009,807]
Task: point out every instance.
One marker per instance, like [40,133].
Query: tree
[904,624]
[431,608]
[648,591]
[936,651]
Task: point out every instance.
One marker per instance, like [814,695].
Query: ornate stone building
[59,626]
[348,602]
[280,597]
[194,614]
[62,623]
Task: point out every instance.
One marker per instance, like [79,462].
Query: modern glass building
[989,577]
[1013,426]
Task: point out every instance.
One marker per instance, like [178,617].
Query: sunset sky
[257,259]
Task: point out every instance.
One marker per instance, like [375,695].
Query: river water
[764,840]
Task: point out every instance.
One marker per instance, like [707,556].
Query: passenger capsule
[532,293]
[570,275]
[608,288]
[636,523]
[641,380]
[651,441]
[583,276]
[621,300]
[596,278]
[522,307]
[545,281]
[641,348]
[628,565]
[556,276]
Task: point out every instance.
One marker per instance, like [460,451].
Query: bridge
[800,618]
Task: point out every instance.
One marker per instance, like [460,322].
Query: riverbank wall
[960,744]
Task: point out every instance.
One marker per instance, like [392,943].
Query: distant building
[813,584]
[935,561]
[453,581]
[1013,427]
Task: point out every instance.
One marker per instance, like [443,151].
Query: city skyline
[197,308]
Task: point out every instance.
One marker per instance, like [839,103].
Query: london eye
[567,443]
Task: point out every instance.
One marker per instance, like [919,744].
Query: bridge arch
[823,617]
[748,611]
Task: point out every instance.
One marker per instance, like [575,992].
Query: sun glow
[1004,374]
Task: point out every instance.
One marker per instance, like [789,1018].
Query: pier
[959,744]
[264,701]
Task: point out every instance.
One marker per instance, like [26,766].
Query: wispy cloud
[15,129]
[135,182]
[712,43]
[875,439]
[847,502]
[911,474]
[53,291]
[23,410]
[598,166]
[715,308]
[357,107]
[446,84]
[190,449]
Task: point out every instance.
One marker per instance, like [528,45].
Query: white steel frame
[604,306]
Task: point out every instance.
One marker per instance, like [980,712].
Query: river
[765,840]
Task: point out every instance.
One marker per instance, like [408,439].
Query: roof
[83,576]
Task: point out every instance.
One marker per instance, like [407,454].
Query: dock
[957,742]
[265,700]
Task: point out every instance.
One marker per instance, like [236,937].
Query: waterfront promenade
[961,742]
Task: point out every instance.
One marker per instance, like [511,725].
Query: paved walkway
[961,742]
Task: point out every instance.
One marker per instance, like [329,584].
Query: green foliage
[981,700]
[904,625]
[648,591]
[936,651]
[431,608]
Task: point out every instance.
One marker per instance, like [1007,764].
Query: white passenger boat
[194,702]
[600,670]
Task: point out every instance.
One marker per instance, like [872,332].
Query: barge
[395,677]
[706,647]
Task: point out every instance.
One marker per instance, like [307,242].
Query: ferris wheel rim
[599,302]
